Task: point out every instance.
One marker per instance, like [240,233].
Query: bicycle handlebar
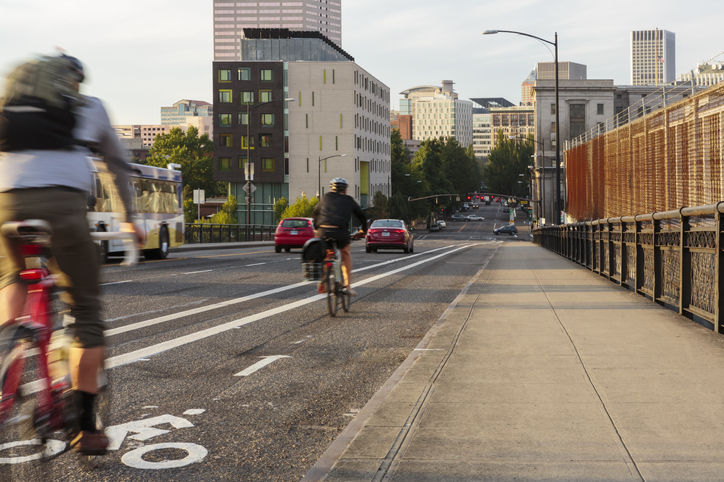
[129,240]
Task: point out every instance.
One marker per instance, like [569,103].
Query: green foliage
[193,153]
[302,208]
[279,208]
[379,208]
[399,208]
[190,210]
[506,162]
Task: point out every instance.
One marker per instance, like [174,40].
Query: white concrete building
[339,110]
[147,133]
[653,57]
[324,16]
[482,133]
[437,112]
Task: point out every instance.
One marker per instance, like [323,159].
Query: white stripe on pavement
[259,365]
[194,272]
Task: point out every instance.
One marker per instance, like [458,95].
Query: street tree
[379,209]
[506,162]
[302,208]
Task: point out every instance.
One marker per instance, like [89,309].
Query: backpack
[37,108]
[314,251]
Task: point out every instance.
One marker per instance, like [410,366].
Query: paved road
[230,358]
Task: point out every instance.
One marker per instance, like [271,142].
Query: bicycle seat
[30,231]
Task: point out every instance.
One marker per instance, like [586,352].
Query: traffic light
[468,198]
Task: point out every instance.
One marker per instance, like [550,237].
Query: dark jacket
[336,209]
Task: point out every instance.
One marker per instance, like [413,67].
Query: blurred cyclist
[332,216]
[47,130]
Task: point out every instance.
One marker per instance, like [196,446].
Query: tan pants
[75,256]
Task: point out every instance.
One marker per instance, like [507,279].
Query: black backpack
[37,109]
[314,251]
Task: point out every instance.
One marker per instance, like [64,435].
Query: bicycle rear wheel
[331,292]
[345,298]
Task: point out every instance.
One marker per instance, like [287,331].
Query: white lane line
[202,309]
[118,282]
[256,264]
[157,311]
[131,357]
[267,360]
[194,272]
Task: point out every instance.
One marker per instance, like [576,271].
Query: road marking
[157,311]
[428,349]
[234,254]
[117,282]
[202,309]
[256,264]
[267,360]
[134,458]
[194,411]
[195,272]
[151,350]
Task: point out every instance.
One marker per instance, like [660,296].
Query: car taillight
[374,231]
[398,231]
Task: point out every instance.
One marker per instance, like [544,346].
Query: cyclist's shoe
[90,443]
[349,291]
[321,289]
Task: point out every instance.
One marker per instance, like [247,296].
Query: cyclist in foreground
[46,130]
[332,216]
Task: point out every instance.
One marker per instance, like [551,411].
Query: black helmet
[76,66]
[339,184]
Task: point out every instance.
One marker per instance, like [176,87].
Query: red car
[293,233]
[389,234]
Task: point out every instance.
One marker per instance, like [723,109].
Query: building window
[224,75]
[247,98]
[333,76]
[300,99]
[265,140]
[265,96]
[553,109]
[242,163]
[286,166]
[267,119]
[336,143]
[243,118]
[244,73]
[224,96]
[307,120]
[244,143]
[312,98]
[267,164]
[224,120]
[599,109]
[226,140]
[340,119]
[320,148]
[307,164]
[224,164]
[577,120]
[324,76]
[266,75]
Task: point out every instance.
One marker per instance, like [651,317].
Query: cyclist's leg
[345,249]
[12,291]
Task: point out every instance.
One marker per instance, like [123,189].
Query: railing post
[611,261]
[658,265]
[718,275]
[640,259]
[623,275]
[684,268]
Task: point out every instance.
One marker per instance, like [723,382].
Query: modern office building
[653,57]
[339,112]
[179,113]
[482,133]
[526,88]
[566,71]
[147,133]
[437,112]
[231,18]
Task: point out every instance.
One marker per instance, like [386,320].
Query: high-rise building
[230,18]
[288,141]
[481,133]
[437,112]
[179,113]
[526,89]
[653,58]
[566,71]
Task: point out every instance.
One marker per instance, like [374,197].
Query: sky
[142,55]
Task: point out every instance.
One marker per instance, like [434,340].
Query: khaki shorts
[75,256]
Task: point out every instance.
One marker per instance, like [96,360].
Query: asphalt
[543,370]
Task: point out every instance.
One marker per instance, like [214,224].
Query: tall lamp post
[248,171]
[558,126]
[319,172]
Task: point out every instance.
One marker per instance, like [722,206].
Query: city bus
[157,201]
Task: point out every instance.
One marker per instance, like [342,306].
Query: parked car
[389,234]
[473,217]
[507,229]
[293,233]
[434,227]
[441,223]
[459,217]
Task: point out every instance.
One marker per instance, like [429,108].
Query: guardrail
[673,258]
[227,233]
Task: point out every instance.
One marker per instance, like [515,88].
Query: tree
[379,207]
[399,207]
[506,162]
[279,208]
[193,153]
[302,208]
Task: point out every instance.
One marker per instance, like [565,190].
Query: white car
[473,217]
[441,223]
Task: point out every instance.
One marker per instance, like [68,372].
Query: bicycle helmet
[339,184]
[75,66]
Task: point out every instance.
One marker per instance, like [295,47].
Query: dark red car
[293,233]
[389,234]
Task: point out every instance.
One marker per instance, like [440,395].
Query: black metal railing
[227,233]
[674,258]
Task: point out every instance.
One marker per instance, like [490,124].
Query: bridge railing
[227,233]
[673,258]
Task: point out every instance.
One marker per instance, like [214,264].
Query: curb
[204,246]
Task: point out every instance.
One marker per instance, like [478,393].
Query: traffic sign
[249,188]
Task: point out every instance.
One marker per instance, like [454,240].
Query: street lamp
[319,172]
[248,171]
[558,125]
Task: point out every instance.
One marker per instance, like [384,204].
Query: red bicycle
[37,417]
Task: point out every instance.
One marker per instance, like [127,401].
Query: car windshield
[387,224]
[295,223]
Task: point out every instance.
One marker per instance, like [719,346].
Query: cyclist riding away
[47,130]
[332,216]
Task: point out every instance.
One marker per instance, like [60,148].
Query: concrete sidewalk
[543,370]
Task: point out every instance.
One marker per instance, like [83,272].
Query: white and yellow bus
[157,200]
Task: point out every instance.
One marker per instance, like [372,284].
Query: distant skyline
[141,56]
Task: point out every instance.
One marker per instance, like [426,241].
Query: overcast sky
[141,55]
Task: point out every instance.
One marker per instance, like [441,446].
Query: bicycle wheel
[346,299]
[331,290]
